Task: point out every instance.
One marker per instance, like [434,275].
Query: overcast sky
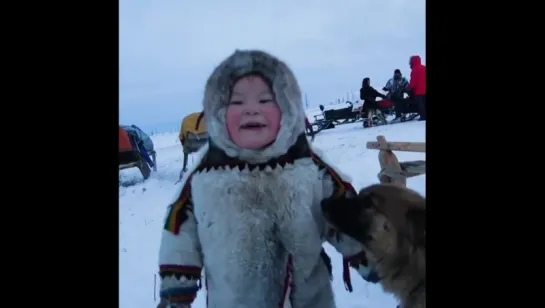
[168,48]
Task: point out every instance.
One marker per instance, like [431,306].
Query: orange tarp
[189,123]
[124,141]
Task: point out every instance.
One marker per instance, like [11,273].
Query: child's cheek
[275,116]
[232,120]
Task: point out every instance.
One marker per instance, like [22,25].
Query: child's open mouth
[253,126]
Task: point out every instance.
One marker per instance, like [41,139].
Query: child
[249,213]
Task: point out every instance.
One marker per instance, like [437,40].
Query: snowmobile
[386,109]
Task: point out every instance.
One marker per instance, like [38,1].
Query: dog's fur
[391,222]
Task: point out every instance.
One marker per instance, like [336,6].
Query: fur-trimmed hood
[287,96]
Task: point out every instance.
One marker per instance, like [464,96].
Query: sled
[136,150]
[328,119]
[392,171]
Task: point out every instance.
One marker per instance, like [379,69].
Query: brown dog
[391,222]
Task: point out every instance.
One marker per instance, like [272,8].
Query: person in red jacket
[417,85]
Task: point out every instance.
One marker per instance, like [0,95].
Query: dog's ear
[340,210]
[416,221]
[345,215]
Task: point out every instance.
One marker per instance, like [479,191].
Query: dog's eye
[386,227]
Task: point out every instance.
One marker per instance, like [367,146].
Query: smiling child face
[253,117]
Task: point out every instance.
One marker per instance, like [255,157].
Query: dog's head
[382,217]
[344,215]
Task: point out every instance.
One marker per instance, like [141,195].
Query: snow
[142,207]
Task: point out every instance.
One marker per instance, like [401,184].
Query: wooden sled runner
[392,171]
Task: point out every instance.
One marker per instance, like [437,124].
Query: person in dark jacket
[369,96]
[417,85]
[396,87]
[309,129]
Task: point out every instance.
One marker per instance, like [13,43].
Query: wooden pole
[397,146]
[389,165]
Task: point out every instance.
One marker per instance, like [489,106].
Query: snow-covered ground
[142,207]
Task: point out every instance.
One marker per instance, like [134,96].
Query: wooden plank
[397,146]
[389,164]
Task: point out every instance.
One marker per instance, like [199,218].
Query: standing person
[369,96]
[417,85]
[396,87]
[310,130]
[249,213]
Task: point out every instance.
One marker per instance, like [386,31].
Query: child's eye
[235,103]
[264,101]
